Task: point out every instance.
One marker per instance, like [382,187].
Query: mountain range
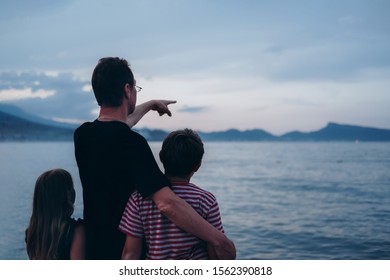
[17,125]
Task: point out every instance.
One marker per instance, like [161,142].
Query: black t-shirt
[113,162]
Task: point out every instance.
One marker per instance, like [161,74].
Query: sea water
[318,200]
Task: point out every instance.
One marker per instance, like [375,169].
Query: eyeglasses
[137,88]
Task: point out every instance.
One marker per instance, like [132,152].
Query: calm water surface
[277,200]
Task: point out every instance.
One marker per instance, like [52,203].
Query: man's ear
[127,91]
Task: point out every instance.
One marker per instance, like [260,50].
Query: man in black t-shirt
[114,161]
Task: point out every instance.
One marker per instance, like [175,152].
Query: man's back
[164,239]
[112,161]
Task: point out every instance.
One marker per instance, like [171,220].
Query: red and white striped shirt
[164,239]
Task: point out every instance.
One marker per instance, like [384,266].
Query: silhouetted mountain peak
[340,132]
[11,109]
[14,128]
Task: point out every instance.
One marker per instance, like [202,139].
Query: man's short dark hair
[181,152]
[109,77]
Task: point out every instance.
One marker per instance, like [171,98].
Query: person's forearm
[211,252]
[139,112]
[184,216]
[161,106]
[132,249]
[126,255]
[77,250]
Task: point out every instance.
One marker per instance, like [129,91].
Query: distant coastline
[18,126]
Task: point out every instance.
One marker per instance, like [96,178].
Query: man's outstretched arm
[161,106]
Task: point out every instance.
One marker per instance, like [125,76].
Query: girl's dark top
[113,162]
[66,242]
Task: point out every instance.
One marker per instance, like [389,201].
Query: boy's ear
[197,166]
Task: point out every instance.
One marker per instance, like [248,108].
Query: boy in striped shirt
[181,155]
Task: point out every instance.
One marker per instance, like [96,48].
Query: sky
[274,65]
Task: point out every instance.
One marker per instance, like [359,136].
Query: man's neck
[112,114]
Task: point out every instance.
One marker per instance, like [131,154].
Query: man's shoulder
[81,131]
[114,128]
[83,126]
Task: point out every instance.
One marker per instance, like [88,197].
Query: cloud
[193,109]
[27,93]
[348,20]
[87,88]
[26,8]
[260,60]
[69,121]
[53,95]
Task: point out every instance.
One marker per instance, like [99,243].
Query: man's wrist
[217,238]
[152,104]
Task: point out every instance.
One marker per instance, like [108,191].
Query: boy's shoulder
[182,190]
[191,189]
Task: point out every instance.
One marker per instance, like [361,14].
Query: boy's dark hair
[181,152]
[108,79]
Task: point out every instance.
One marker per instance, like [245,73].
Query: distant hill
[17,125]
[237,135]
[13,128]
[339,132]
[152,134]
[17,112]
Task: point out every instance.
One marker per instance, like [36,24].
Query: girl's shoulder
[75,223]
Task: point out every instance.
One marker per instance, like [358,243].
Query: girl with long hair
[52,233]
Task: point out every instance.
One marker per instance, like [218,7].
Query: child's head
[53,205]
[181,153]
[54,194]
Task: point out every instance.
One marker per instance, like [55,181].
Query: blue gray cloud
[238,48]
[71,98]
[193,109]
